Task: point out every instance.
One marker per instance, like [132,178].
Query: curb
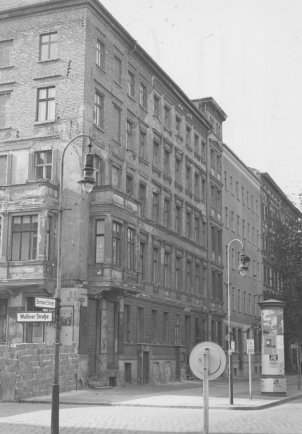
[192,407]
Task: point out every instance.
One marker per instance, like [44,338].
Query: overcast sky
[244,53]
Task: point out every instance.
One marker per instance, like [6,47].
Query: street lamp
[243,267]
[87,183]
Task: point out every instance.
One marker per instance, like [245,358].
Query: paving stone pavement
[35,419]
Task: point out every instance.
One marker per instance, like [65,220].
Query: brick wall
[26,370]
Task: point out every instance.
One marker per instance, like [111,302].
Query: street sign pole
[206,391]
[250,376]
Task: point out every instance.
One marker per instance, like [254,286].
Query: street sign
[250,346]
[34,317]
[45,303]
[216,360]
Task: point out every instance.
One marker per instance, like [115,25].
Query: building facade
[242,224]
[142,266]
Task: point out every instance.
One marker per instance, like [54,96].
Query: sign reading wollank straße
[34,317]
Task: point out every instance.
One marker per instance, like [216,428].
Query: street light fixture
[87,183]
[243,268]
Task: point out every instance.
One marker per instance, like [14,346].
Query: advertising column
[273,381]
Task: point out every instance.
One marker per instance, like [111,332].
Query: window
[196,144]
[188,135]
[3,320]
[99,110]
[178,272]
[197,282]
[24,237]
[203,150]
[167,162]
[178,219]
[34,332]
[100,54]
[46,104]
[153,326]
[156,106]
[115,176]
[3,169]
[131,84]
[43,164]
[197,183]
[99,241]
[166,328]
[178,126]
[178,167]
[50,237]
[197,219]
[167,269]
[155,265]
[4,98]
[167,117]
[5,53]
[142,144]
[142,198]
[129,135]
[99,170]
[155,206]
[131,248]
[116,244]
[129,184]
[48,46]
[143,95]
[177,329]
[142,255]
[188,178]
[156,153]
[117,70]
[225,180]
[189,223]
[116,122]
[127,323]
[140,325]
[189,275]
[167,212]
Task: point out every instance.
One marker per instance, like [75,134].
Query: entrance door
[146,361]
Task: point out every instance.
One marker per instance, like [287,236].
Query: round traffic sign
[216,360]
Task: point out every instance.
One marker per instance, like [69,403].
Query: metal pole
[55,400]
[206,391]
[299,366]
[229,322]
[250,376]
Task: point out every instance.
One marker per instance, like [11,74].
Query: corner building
[141,254]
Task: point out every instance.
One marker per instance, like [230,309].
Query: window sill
[7,67]
[38,123]
[49,60]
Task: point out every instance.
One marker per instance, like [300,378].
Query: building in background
[242,220]
[142,254]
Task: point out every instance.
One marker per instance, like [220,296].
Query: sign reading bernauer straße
[46,303]
[34,317]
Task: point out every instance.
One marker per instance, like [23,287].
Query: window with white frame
[131,84]
[99,241]
[99,110]
[100,54]
[143,95]
[46,104]
[43,164]
[48,49]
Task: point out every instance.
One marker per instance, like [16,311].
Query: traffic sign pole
[250,376]
[206,391]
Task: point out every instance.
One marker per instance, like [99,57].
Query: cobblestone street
[35,419]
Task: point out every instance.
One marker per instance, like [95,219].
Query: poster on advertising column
[272,347]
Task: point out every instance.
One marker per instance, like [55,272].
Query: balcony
[38,193]
[109,195]
[106,276]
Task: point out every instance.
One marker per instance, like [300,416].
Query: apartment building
[242,233]
[142,253]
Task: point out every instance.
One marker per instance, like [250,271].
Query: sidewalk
[179,395]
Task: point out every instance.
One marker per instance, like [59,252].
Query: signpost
[45,303]
[207,362]
[250,349]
